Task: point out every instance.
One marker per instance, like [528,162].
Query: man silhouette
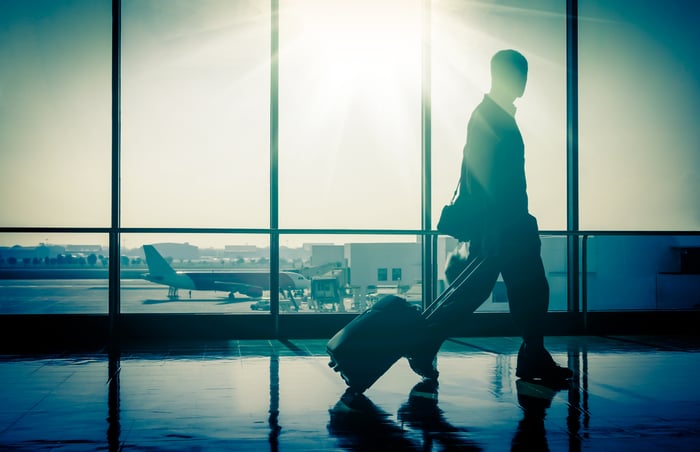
[493,172]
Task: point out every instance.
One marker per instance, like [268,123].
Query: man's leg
[423,360]
[528,297]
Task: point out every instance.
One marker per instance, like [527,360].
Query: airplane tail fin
[156,264]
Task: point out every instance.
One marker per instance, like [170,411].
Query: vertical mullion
[274,171]
[114,239]
[428,260]
[572,153]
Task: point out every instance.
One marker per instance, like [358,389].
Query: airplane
[250,283]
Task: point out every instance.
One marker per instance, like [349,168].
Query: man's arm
[480,155]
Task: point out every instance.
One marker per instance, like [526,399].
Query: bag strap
[463,182]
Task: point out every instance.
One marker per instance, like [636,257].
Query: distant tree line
[59,260]
[93,259]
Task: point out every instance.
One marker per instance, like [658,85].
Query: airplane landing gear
[172,293]
[231,296]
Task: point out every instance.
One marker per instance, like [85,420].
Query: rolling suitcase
[372,342]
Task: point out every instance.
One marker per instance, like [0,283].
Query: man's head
[508,74]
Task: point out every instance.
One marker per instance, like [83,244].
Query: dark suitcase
[372,342]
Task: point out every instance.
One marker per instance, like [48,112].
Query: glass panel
[350,114]
[195,113]
[465,35]
[54,273]
[553,253]
[639,85]
[55,118]
[643,273]
[348,273]
[188,273]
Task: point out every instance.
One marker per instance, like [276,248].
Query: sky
[195,120]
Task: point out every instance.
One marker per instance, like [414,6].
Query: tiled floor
[630,393]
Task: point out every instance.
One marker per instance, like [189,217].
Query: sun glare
[358,51]
[350,87]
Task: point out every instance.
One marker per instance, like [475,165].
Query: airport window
[553,252]
[464,37]
[55,118]
[349,113]
[195,119]
[54,273]
[638,123]
[499,293]
[655,272]
[341,270]
[200,273]
[202,190]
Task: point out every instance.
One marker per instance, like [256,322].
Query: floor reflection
[626,395]
[421,412]
[359,424]
[577,419]
[535,398]
[273,420]
[113,410]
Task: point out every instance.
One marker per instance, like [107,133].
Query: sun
[360,52]
[352,72]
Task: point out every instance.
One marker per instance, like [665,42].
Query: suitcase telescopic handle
[462,279]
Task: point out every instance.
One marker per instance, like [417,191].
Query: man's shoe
[423,359]
[535,363]
[425,366]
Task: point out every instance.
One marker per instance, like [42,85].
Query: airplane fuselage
[248,282]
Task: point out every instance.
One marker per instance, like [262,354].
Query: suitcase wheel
[333,365]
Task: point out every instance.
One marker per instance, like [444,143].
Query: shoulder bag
[457,218]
